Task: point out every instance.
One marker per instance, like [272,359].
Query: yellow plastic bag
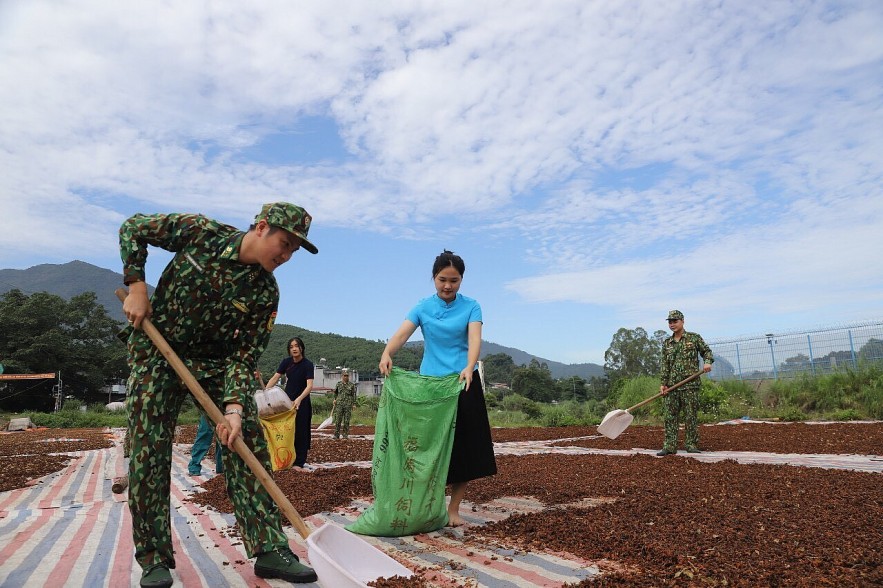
[279,433]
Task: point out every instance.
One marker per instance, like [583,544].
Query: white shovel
[324,424]
[617,421]
[328,545]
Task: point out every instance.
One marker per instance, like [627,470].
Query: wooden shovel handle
[217,417]
[655,396]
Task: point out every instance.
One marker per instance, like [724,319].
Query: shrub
[713,399]
[368,402]
[738,389]
[519,403]
[847,414]
[72,404]
[510,418]
[189,415]
[321,404]
[631,391]
[77,419]
[792,414]
[557,416]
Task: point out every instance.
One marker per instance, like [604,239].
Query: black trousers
[302,432]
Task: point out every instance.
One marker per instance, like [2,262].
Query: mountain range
[69,279]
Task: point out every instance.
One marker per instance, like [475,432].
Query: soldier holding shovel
[342,409]
[215,305]
[680,356]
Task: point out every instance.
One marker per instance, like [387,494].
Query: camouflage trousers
[681,404]
[155,396]
[343,412]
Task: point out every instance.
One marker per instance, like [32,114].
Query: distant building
[325,379]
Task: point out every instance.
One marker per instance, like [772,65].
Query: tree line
[41,333]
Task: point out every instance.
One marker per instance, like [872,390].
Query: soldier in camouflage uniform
[344,398]
[680,359]
[215,304]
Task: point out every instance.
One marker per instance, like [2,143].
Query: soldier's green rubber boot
[282,564]
[156,576]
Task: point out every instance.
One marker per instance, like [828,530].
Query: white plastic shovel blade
[325,423]
[342,559]
[614,423]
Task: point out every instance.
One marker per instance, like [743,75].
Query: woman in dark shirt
[299,374]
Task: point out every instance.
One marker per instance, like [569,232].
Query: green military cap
[293,219]
[675,315]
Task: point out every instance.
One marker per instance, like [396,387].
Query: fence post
[739,362]
[852,350]
[769,340]
[811,361]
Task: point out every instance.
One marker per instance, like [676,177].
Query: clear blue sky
[595,163]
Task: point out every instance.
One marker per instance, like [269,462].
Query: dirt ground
[643,520]
[665,521]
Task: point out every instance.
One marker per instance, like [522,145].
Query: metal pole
[812,364]
[852,350]
[739,361]
[769,340]
[58,394]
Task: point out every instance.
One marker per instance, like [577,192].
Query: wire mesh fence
[786,355]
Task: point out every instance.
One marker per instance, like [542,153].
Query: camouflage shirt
[345,393]
[214,311]
[680,359]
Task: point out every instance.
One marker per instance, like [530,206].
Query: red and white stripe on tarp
[69,529]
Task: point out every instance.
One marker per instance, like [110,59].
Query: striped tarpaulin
[69,529]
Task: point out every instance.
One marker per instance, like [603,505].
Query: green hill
[75,277]
[67,280]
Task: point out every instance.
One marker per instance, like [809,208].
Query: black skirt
[472,456]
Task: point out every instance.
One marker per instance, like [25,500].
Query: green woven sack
[412,451]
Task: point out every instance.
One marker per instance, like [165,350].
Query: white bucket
[342,559]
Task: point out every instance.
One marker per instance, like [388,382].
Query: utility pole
[58,393]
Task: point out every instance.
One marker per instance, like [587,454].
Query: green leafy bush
[72,404]
[518,403]
[792,414]
[557,416]
[368,402]
[738,389]
[510,418]
[76,419]
[713,401]
[847,414]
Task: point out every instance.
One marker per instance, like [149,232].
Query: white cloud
[607,141]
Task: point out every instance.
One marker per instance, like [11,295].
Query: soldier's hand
[706,368]
[228,434]
[663,390]
[137,307]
